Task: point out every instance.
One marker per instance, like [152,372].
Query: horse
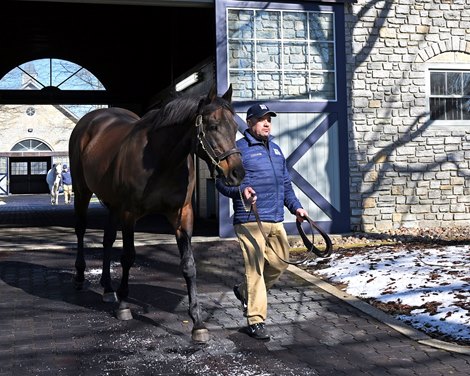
[53,179]
[137,166]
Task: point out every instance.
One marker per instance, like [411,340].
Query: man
[67,184]
[267,182]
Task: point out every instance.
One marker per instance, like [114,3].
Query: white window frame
[282,70]
[447,67]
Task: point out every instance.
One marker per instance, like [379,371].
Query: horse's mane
[176,110]
[179,110]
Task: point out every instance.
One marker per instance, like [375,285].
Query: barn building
[373,97]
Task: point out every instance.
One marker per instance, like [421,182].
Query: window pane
[241,55]
[240,24]
[243,85]
[268,55]
[295,56]
[296,86]
[321,26]
[81,80]
[438,83]
[19,147]
[454,83]
[38,168]
[19,168]
[466,83]
[3,165]
[12,80]
[453,108]
[294,25]
[322,86]
[322,56]
[437,107]
[267,25]
[466,109]
[268,85]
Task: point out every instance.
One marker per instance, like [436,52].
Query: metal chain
[243,200]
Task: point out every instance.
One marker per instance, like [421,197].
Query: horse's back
[95,122]
[95,141]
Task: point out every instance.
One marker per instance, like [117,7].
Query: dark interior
[134,50]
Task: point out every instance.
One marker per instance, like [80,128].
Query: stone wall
[404,170]
[48,124]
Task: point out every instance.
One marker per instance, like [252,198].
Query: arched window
[30,145]
[50,73]
[53,74]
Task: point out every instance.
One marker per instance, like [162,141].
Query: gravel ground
[438,235]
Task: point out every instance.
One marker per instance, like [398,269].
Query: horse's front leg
[109,238]
[123,312]
[54,196]
[183,230]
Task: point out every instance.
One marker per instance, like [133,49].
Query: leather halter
[206,146]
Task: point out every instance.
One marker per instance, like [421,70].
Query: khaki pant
[262,267]
[67,193]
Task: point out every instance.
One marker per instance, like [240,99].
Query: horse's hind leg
[183,230]
[81,202]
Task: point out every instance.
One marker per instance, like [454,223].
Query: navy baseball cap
[259,110]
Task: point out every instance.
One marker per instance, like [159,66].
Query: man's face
[261,127]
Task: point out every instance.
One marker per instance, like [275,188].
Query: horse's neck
[173,143]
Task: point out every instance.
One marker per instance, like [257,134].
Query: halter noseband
[206,146]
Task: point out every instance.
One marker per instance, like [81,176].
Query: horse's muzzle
[233,176]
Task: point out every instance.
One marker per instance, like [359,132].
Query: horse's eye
[212,126]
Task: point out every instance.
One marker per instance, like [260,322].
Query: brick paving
[49,328]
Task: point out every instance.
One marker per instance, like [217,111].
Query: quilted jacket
[267,174]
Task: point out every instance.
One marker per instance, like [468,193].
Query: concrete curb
[379,315]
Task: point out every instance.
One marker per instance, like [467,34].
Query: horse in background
[53,179]
[137,166]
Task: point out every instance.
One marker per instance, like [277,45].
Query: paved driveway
[48,328]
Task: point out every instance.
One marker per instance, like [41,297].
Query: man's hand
[250,195]
[301,214]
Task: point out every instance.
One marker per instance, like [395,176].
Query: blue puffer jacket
[267,174]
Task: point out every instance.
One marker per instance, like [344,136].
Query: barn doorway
[28,174]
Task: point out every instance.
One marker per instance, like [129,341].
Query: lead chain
[243,200]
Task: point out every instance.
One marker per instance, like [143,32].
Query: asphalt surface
[49,328]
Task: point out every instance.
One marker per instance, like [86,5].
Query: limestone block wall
[405,171]
[46,123]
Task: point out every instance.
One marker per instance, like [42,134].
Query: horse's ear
[228,94]
[212,93]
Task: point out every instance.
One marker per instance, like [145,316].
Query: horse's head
[216,133]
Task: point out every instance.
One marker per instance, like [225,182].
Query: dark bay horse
[137,166]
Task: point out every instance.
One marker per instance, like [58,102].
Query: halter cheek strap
[206,146]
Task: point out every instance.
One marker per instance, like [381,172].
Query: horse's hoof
[200,335]
[110,297]
[124,314]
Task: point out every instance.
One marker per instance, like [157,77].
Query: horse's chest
[163,194]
